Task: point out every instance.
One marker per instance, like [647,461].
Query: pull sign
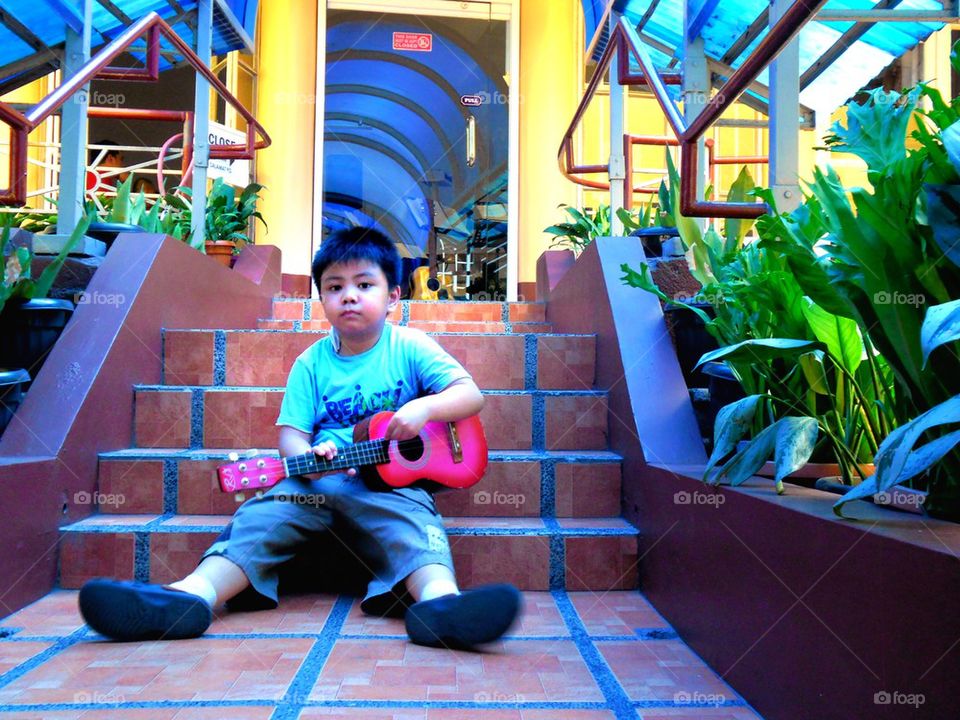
[471,100]
[413,42]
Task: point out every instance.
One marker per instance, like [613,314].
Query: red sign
[414,42]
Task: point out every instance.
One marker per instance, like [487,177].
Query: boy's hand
[328,450]
[408,421]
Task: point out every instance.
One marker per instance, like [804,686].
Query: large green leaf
[733,422]
[796,438]
[841,335]
[894,453]
[876,130]
[748,461]
[735,229]
[940,326]
[814,371]
[49,274]
[943,216]
[761,350]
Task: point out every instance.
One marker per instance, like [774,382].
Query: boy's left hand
[408,421]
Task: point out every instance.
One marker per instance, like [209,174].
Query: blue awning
[32,34]
[728,22]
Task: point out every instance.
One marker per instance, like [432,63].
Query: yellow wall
[287,47]
[32,94]
[551,51]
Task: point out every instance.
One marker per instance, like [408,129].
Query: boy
[365,365]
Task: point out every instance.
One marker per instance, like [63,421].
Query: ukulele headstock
[250,473]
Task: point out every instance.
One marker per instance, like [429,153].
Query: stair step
[252,358]
[532,553]
[224,417]
[582,484]
[461,326]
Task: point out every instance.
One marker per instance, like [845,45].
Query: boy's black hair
[358,243]
[92,154]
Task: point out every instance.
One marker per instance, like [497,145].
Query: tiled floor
[579,656]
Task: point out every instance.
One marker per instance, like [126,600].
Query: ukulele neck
[370,452]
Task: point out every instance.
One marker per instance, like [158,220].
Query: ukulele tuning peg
[259,493]
[233,457]
[251,453]
[238,497]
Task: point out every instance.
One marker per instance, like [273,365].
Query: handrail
[624,38]
[98,67]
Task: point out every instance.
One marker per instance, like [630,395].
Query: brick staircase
[546,516]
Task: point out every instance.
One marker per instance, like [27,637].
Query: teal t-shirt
[328,393]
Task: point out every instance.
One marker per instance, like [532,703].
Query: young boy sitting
[364,366]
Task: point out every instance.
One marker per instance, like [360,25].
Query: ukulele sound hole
[411,450]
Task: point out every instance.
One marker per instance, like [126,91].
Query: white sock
[438,588]
[199,586]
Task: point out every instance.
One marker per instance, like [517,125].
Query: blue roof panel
[860,63]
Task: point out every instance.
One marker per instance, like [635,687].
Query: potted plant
[29,322]
[227,220]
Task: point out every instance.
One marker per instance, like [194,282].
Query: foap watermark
[82,497]
[99,298]
[683,497]
[900,498]
[914,700]
[698,698]
[308,499]
[898,298]
[295,98]
[497,697]
[483,497]
[95,98]
[98,698]
[700,297]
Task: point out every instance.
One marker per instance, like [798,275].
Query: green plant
[18,281]
[586,226]
[227,218]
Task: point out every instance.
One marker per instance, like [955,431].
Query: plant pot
[655,239]
[107,231]
[724,389]
[29,331]
[691,340]
[11,393]
[221,251]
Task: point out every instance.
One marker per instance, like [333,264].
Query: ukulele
[451,454]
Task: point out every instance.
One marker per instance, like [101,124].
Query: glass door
[416,138]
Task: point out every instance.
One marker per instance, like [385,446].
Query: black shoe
[125,610]
[463,621]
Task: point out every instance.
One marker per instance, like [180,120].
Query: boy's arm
[296,442]
[459,400]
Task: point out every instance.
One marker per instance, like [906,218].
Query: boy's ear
[393,297]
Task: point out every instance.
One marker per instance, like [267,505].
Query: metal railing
[152,26]
[625,42]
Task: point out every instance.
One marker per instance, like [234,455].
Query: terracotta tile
[315,325]
[53,614]
[403,713]
[512,671]
[495,361]
[130,486]
[357,623]
[456,311]
[507,489]
[540,616]
[532,328]
[275,324]
[198,490]
[587,489]
[162,418]
[88,555]
[458,326]
[576,422]
[528,312]
[235,712]
[662,670]
[241,419]
[521,560]
[295,614]
[175,555]
[288,309]
[615,613]
[566,362]
[507,421]
[255,359]
[618,571]
[188,357]
[13,654]
[203,669]
[294,344]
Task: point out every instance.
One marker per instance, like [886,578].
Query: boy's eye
[333,288]
[365,285]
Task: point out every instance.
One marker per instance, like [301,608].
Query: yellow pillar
[287,47]
[551,48]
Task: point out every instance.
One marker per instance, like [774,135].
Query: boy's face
[356,297]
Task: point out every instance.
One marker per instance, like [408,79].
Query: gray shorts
[392,533]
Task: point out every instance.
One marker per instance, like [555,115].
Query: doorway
[416,137]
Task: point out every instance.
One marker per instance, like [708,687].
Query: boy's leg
[262,535]
[445,617]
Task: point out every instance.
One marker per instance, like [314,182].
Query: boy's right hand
[328,451]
